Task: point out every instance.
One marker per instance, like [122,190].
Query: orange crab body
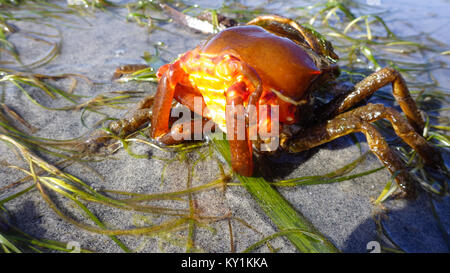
[284,69]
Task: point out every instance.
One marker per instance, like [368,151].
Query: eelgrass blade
[279,210]
[47,244]
[7,245]
[278,234]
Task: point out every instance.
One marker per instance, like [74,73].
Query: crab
[275,61]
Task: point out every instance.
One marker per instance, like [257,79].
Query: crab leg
[346,124]
[142,113]
[167,90]
[240,145]
[132,121]
[178,133]
[373,112]
[368,86]
[163,103]
[358,120]
[186,95]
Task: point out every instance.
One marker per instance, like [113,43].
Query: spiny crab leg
[368,86]
[403,129]
[358,120]
[130,123]
[134,119]
[338,127]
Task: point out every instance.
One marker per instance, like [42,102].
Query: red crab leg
[168,89]
[241,149]
[164,96]
[186,95]
[163,103]
[240,144]
[177,133]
